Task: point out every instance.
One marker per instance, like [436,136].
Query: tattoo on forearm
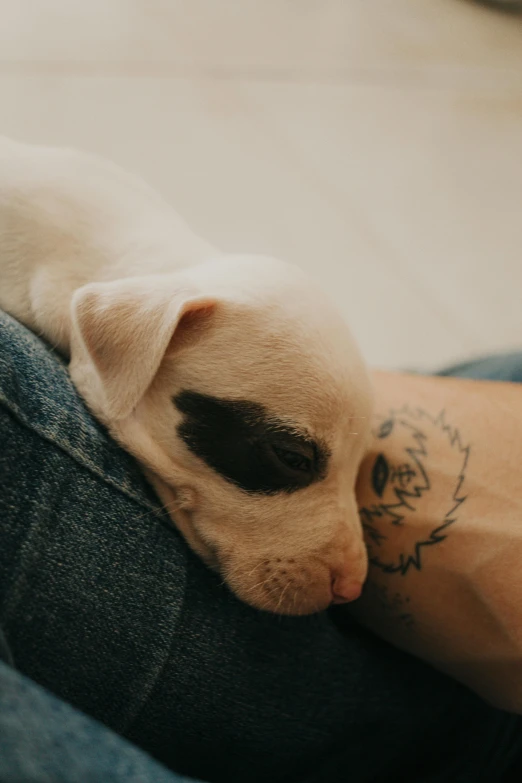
[404,489]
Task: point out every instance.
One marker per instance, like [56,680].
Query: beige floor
[376,142]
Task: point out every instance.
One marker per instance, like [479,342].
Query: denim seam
[77,456]
[135,707]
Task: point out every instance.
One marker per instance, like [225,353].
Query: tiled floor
[379,144]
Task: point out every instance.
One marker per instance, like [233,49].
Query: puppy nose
[345,589]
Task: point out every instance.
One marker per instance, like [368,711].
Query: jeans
[44,740]
[103,605]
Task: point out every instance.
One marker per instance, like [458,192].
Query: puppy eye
[293,460]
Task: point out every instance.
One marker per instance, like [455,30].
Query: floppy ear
[123,328]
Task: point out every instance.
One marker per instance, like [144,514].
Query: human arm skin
[440,499]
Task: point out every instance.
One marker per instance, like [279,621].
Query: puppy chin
[276,596]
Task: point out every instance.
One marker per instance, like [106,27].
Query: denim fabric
[102,603]
[5,652]
[44,740]
[504,367]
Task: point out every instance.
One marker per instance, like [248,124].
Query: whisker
[255,569]
[251,589]
[173,506]
[282,596]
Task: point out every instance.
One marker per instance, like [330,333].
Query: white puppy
[232,379]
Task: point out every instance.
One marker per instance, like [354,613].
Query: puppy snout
[345,588]
[296,586]
[349,572]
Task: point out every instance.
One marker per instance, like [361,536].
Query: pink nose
[345,589]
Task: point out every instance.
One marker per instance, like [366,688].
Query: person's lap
[102,604]
[44,740]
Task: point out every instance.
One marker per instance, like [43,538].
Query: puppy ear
[121,331]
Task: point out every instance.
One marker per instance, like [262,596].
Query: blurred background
[378,143]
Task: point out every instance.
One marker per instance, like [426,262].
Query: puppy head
[240,389]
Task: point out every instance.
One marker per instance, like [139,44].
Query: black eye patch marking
[248,447]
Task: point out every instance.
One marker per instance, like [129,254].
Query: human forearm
[441,506]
